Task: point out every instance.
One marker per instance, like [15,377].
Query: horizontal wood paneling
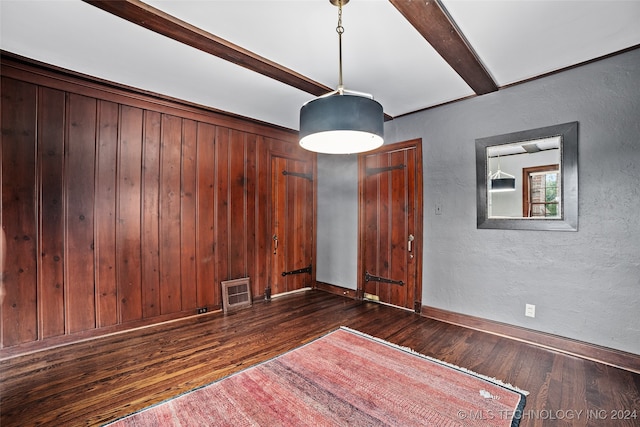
[122,208]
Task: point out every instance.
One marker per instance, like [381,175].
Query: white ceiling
[383,53]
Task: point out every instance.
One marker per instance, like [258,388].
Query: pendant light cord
[340,30]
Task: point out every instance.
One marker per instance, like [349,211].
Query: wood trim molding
[336,290]
[32,71]
[608,356]
[93,334]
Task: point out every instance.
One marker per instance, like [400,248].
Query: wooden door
[292,224]
[390,209]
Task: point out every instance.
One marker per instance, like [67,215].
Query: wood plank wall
[122,207]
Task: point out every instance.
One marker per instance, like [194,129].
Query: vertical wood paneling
[151,215]
[105,213]
[385,225]
[129,208]
[79,192]
[390,212]
[289,223]
[117,213]
[250,191]
[304,241]
[51,108]
[278,222]
[398,230]
[291,211]
[19,321]
[263,218]
[188,196]
[298,208]
[237,206]
[371,225]
[205,216]
[170,299]
[222,206]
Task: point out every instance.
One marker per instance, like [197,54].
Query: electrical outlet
[202,310]
[530,310]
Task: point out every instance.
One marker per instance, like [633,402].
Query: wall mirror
[528,180]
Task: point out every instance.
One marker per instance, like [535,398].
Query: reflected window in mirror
[528,179]
[543,191]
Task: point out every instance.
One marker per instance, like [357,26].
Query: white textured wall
[585,284]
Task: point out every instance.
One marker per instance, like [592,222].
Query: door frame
[419,235]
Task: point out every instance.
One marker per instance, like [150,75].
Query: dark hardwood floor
[99,380]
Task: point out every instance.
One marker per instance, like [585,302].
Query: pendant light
[502,181]
[342,121]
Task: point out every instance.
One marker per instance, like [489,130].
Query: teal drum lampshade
[341,124]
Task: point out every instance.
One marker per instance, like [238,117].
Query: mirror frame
[568,169]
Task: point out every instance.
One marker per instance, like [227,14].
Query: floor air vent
[236,294]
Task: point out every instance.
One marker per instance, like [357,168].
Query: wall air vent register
[236,294]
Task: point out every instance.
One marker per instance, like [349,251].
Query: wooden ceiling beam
[432,22]
[160,22]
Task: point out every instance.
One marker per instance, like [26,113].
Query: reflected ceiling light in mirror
[342,121]
[501,181]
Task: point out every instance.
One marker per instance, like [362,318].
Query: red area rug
[344,378]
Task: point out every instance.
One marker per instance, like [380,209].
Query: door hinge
[373,171]
[298,271]
[299,174]
[370,278]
